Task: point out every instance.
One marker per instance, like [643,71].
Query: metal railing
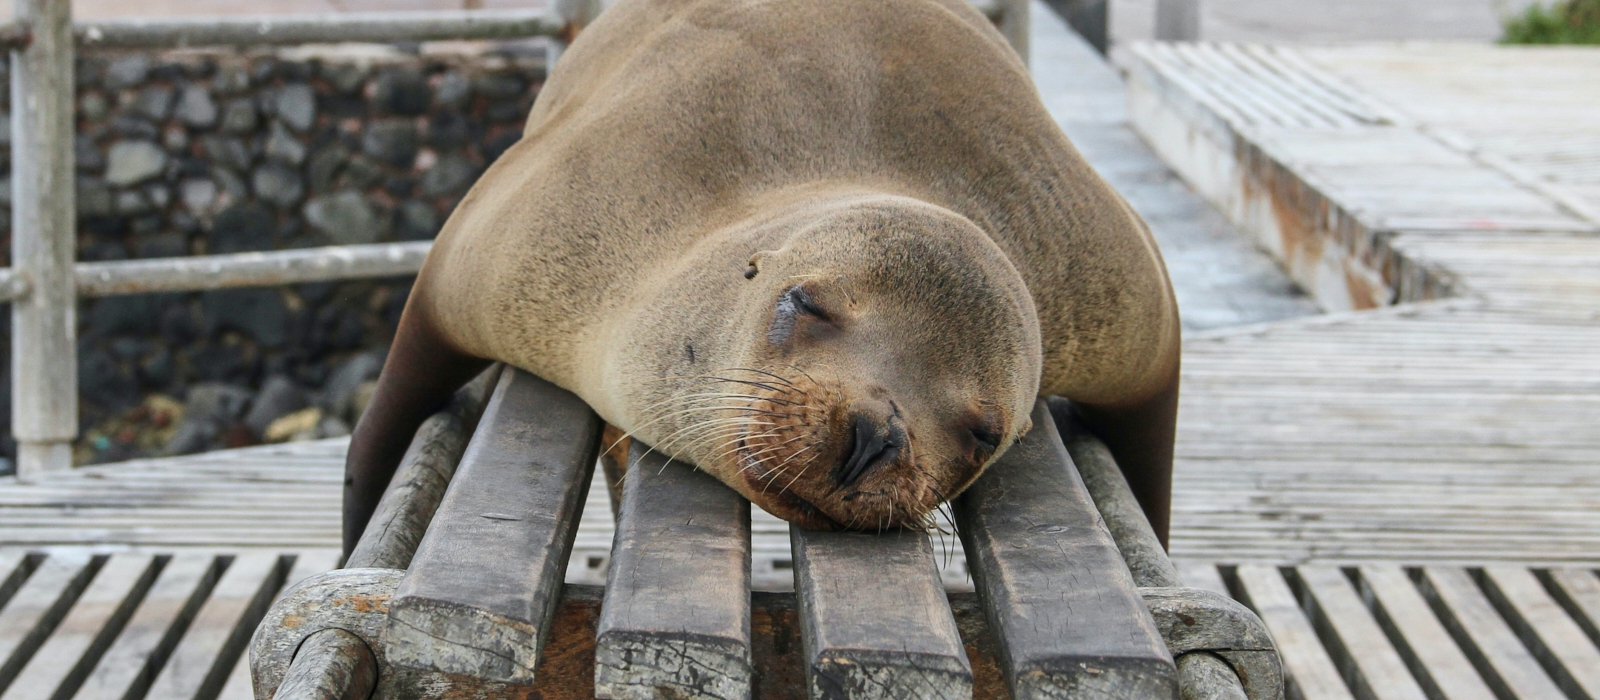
[44,283]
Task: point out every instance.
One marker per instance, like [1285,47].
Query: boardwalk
[1421,446]
[1409,495]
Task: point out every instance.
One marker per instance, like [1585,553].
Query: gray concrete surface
[1220,278]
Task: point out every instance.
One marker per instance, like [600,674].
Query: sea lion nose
[875,441]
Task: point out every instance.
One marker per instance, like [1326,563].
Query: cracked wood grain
[1059,598]
[676,619]
[482,589]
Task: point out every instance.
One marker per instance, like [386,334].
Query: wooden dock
[1407,490]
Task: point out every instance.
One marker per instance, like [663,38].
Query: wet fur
[678,137]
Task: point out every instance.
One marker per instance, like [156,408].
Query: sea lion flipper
[418,379]
[1140,436]
[614,462]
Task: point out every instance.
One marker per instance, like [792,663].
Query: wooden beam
[484,583]
[1124,518]
[1059,597]
[676,618]
[44,354]
[331,664]
[419,484]
[874,618]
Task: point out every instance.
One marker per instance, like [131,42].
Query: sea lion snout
[877,438]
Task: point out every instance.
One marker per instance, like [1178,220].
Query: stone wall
[193,152]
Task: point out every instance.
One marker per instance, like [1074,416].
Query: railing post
[1091,19]
[1177,20]
[1014,26]
[44,371]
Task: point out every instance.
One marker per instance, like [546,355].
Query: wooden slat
[1433,657]
[36,608]
[1496,652]
[676,617]
[128,667]
[1579,593]
[1305,663]
[1201,575]
[1350,633]
[483,586]
[1028,527]
[1558,641]
[874,618]
[200,663]
[84,634]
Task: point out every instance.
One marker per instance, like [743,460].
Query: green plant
[1565,22]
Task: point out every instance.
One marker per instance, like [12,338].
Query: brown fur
[894,158]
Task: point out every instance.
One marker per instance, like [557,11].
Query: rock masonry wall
[194,152]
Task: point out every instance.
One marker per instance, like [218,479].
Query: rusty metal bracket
[1198,620]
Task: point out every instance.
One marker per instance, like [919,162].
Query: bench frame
[451,590]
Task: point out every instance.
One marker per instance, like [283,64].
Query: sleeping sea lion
[828,251]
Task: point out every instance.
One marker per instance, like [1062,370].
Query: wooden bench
[456,588]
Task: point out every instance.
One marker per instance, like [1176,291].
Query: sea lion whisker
[703,425]
[762,385]
[778,377]
[663,417]
[807,374]
[803,469]
[780,469]
[778,446]
[736,434]
[658,419]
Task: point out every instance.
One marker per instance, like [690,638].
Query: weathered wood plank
[15,567]
[485,581]
[418,485]
[1311,672]
[1560,644]
[1201,575]
[1136,540]
[676,618]
[139,652]
[201,661]
[874,618]
[1494,649]
[37,607]
[1433,657]
[1354,638]
[1028,525]
[1578,590]
[87,630]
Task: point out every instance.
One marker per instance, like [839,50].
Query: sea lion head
[844,364]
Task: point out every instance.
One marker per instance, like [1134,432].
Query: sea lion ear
[1026,427]
[753,268]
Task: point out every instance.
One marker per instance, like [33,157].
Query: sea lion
[828,251]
